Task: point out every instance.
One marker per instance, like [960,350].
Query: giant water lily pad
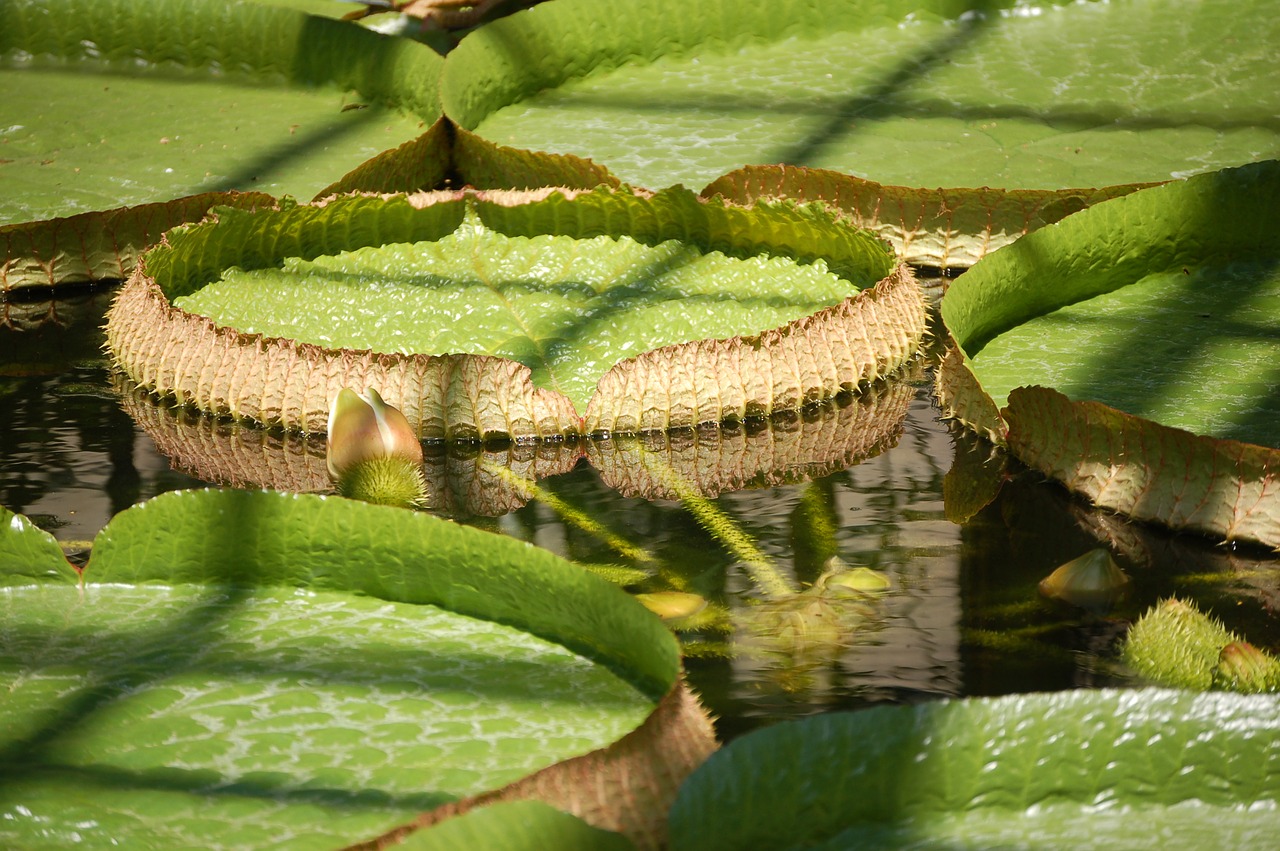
[1130,351]
[121,120]
[1143,769]
[111,104]
[447,154]
[918,93]
[225,675]
[524,315]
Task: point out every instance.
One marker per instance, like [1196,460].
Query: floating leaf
[909,92]
[1145,470]
[29,554]
[102,246]
[514,826]
[505,328]
[122,103]
[448,152]
[246,668]
[1141,769]
[1136,411]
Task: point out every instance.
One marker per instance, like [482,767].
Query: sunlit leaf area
[689,424]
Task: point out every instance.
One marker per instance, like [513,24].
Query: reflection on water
[961,615]
[70,457]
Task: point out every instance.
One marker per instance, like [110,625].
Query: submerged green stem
[570,514]
[722,527]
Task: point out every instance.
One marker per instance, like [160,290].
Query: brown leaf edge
[280,382]
[447,156]
[100,246]
[783,450]
[228,452]
[932,228]
[961,397]
[1224,488]
[840,349]
[284,383]
[627,787]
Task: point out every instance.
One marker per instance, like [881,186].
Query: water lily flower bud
[372,452]
[1092,581]
[1244,668]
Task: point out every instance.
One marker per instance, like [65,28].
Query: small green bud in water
[840,579]
[1092,581]
[372,452]
[673,605]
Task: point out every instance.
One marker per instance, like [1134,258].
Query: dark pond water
[962,615]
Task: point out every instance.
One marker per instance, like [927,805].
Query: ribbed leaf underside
[475,395]
[838,349]
[822,441]
[963,399]
[1154,314]
[102,246]
[1124,463]
[936,228]
[448,151]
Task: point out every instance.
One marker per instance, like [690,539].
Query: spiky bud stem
[390,480]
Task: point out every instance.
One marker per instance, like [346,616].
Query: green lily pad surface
[515,826]
[111,104]
[568,309]
[1131,352]
[916,93]
[1197,349]
[568,312]
[1164,305]
[936,228]
[247,669]
[1111,769]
